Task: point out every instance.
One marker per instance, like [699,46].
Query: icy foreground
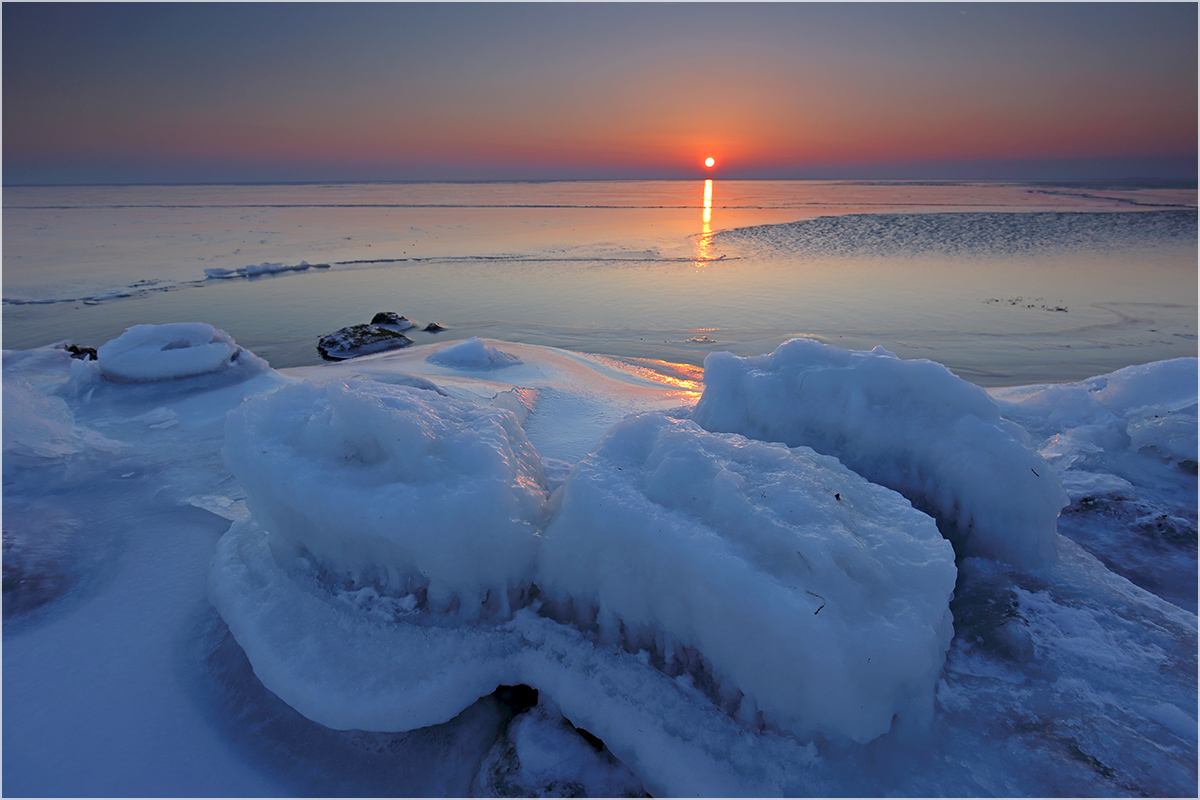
[728,612]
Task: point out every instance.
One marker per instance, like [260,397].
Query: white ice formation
[395,485]
[171,351]
[698,546]
[701,547]
[258,270]
[912,426]
[1146,407]
[473,353]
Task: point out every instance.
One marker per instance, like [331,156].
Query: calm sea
[1005,283]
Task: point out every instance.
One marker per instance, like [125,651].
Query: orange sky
[413,91]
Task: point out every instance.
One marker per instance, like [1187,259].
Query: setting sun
[710,161]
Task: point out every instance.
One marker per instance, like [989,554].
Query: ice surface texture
[912,426]
[1144,407]
[705,545]
[36,424]
[395,484]
[963,233]
[174,350]
[1125,446]
[820,598]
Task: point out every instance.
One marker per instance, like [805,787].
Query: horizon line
[1193,182]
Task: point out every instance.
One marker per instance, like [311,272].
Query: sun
[710,162]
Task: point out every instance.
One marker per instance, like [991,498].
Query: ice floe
[259,270]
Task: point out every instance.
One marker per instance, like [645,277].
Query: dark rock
[84,353]
[360,340]
[393,321]
[433,327]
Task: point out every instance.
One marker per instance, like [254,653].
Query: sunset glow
[172,93]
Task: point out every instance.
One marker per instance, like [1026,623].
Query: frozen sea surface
[176,625]
[1004,283]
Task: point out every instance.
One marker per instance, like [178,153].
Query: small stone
[393,321]
[83,353]
[360,340]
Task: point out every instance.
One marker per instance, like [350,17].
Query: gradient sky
[148,93]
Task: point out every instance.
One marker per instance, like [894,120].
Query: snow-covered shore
[732,592]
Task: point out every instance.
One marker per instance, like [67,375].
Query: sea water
[1005,283]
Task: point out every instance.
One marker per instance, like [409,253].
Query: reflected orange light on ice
[687,377]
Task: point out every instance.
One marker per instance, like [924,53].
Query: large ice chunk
[804,593]
[912,426]
[173,350]
[396,485]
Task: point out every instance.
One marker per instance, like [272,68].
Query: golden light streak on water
[704,246]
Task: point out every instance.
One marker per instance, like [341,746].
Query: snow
[187,552]
[702,546]
[910,425]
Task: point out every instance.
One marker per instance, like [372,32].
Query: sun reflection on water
[704,245]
